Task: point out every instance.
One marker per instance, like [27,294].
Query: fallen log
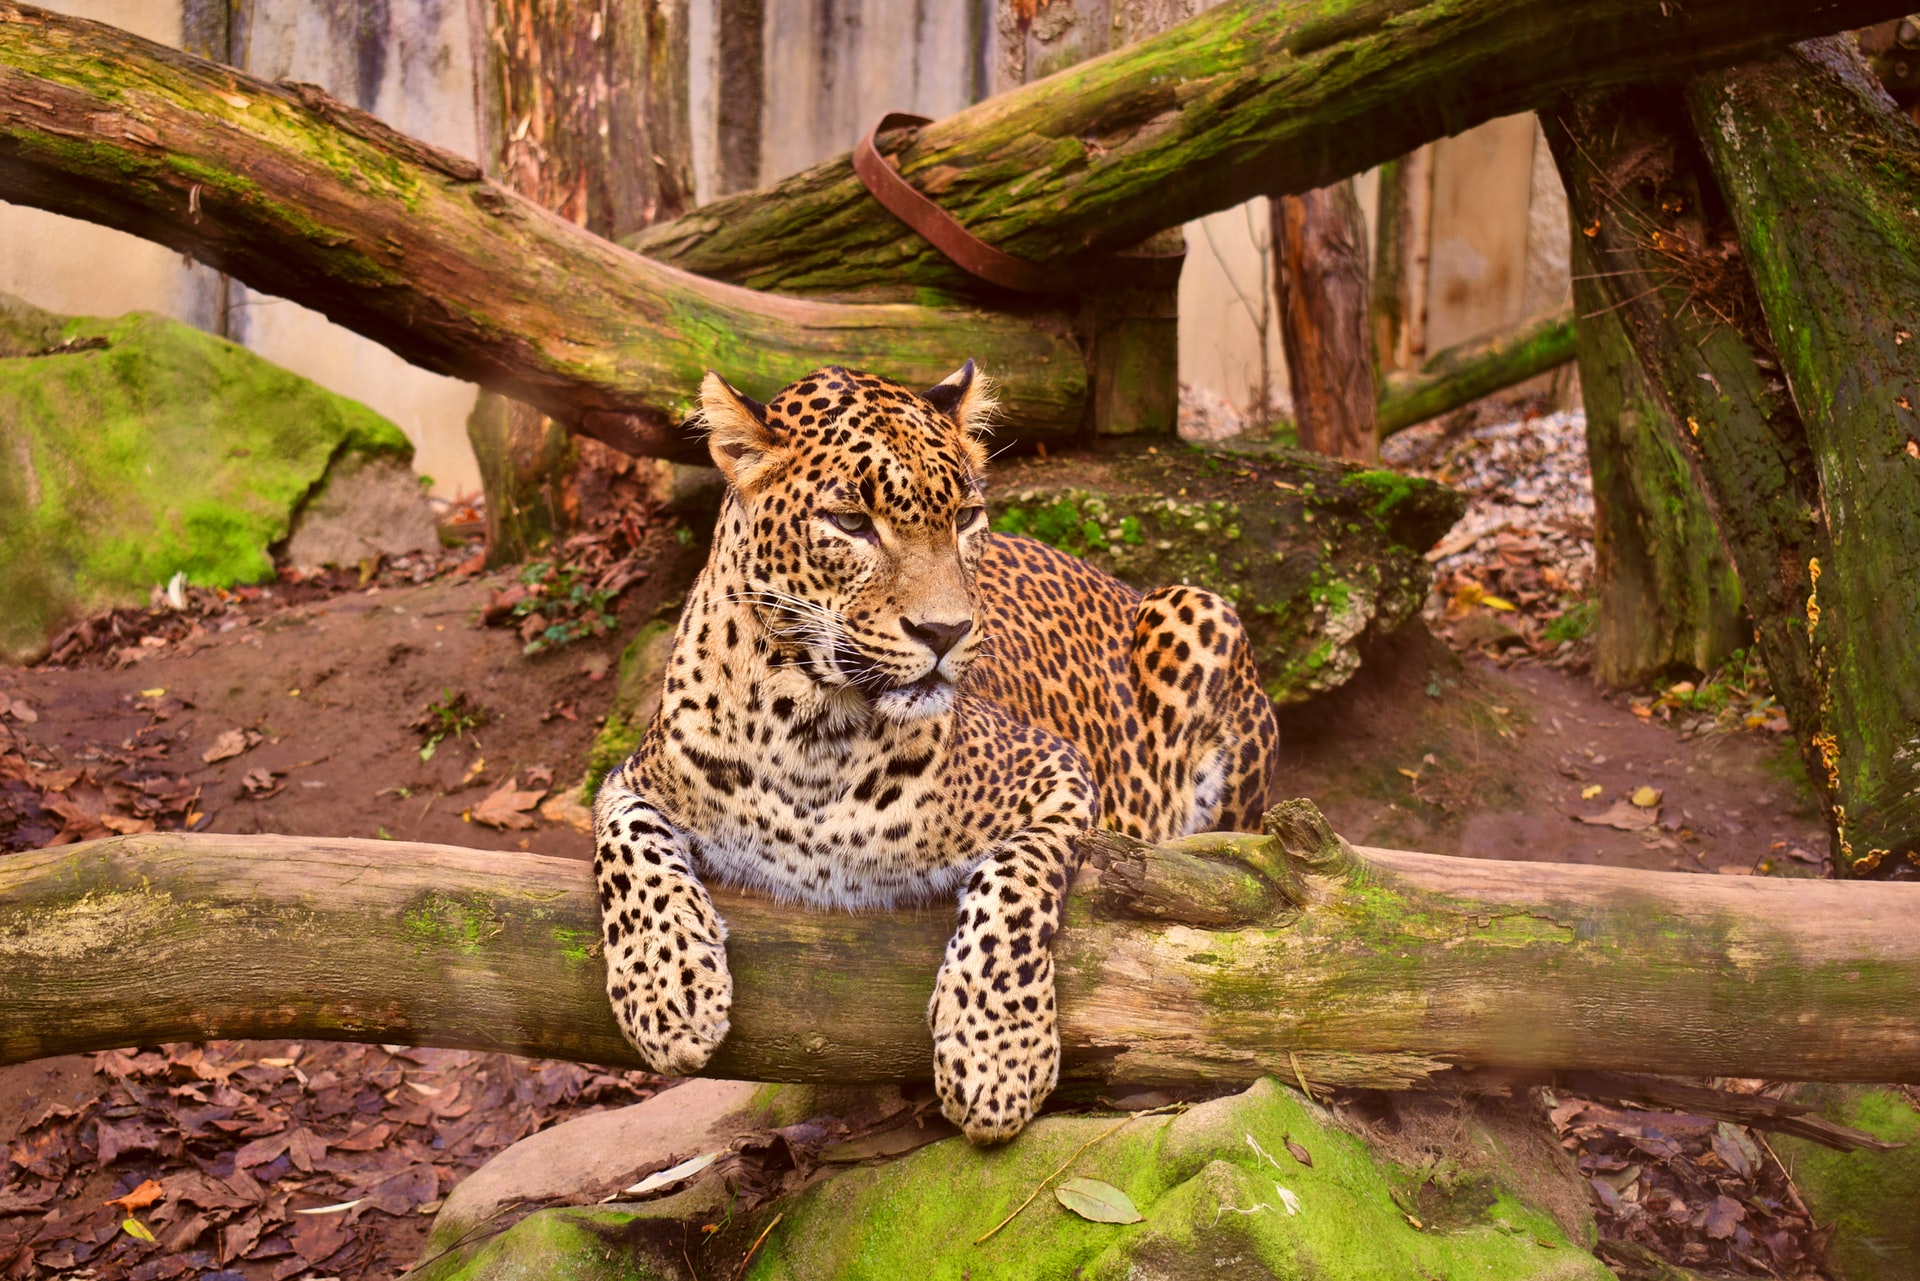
[304,197]
[1251,98]
[1465,372]
[1217,958]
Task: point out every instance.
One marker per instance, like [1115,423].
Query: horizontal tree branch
[1252,98]
[1215,958]
[1463,373]
[309,199]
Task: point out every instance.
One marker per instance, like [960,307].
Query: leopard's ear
[737,433]
[965,396]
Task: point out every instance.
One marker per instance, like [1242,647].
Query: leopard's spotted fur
[874,700]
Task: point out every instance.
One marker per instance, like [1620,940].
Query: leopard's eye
[851,522]
[967,517]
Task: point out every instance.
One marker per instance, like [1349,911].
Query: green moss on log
[138,448]
[1822,173]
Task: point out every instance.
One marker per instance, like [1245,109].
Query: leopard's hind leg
[1209,738]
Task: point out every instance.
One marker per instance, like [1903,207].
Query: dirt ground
[1424,750]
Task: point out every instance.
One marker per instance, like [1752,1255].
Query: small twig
[984,1237]
[1301,1077]
[755,1247]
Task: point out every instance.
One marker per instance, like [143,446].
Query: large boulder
[135,448]
[1220,1190]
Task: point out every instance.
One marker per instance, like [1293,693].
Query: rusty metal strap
[966,250]
[1142,267]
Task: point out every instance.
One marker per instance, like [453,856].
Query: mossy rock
[1317,555]
[1218,1190]
[135,448]
[1871,1198]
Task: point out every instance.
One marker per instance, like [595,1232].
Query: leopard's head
[853,525]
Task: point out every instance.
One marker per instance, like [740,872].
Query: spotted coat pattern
[873,700]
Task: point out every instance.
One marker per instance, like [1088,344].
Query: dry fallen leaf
[565,807]
[673,1174]
[141,1197]
[506,808]
[230,744]
[1590,791]
[1646,798]
[1622,815]
[126,826]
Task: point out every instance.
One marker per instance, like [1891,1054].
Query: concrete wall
[831,67]
[410,62]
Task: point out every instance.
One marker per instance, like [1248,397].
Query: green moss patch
[1219,1191]
[1871,1198]
[136,448]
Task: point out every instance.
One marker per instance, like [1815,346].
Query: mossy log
[1667,594]
[1465,372]
[1667,261]
[1251,98]
[1822,174]
[1308,958]
[306,198]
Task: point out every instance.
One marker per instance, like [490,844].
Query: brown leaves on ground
[1511,578]
[507,807]
[1701,1193]
[123,792]
[571,594]
[230,745]
[269,1160]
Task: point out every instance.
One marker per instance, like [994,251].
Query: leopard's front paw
[672,992]
[996,1056]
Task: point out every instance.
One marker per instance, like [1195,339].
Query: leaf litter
[268,1159]
[1690,1190]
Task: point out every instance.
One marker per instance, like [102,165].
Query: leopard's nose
[938,637]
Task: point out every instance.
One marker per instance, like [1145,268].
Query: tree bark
[1248,99]
[1822,173]
[1218,958]
[310,200]
[1667,594]
[1478,367]
[1320,288]
[587,116]
[1402,240]
[1668,263]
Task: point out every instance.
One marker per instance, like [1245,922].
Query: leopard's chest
[864,826]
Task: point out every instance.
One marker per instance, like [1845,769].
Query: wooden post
[1320,283]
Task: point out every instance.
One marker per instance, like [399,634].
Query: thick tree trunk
[1668,264]
[1822,173]
[1321,292]
[1251,98]
[1216,958]
[310,200]
[1667,594]
[1478,367]
[1402,237]
[587,116]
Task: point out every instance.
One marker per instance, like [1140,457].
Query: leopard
[874,700]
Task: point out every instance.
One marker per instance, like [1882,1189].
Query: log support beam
[1218,957]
